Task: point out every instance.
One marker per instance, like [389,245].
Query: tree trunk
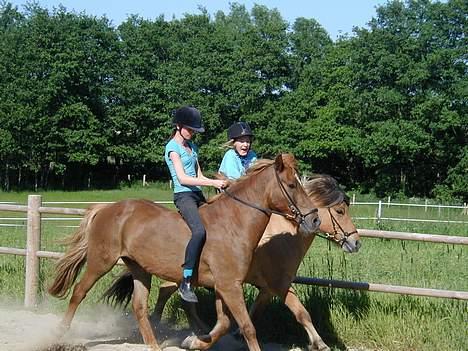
[7,179]
[19,178]
[402,180]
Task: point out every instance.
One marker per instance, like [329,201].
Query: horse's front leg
[303,317]
[222,325]
[166,290]
[259,305]
[233,297]
[257,308]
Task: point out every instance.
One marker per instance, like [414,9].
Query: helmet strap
[178,131]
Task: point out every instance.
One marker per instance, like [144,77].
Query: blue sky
[334,15]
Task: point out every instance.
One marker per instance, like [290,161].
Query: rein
[296,212]
[333,237]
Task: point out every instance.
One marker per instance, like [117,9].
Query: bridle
[295,214]
[335,223]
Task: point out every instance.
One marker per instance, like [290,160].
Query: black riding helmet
[189,117]
[238,130]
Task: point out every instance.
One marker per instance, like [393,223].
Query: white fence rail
[379,211]
[382,207]
[33,253]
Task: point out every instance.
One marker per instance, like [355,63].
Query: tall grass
[344,318]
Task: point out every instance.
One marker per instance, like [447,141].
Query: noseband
[295,214]
[335,223]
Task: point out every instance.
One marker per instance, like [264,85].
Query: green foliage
[83,103]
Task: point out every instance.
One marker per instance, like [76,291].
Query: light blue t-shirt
[189,162]
[234,166]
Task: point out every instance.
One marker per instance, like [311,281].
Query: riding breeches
[187,203]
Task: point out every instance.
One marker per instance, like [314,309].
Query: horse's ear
[287,160]
[279,163]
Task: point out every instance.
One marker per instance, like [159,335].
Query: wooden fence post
[379,213]
[33,242]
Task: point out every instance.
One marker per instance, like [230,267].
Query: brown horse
[276,259]
[151,240]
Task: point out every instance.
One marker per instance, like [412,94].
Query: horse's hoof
[60,331]
[188,341]
[319,346]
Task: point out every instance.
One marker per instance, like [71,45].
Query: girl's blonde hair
[230,144]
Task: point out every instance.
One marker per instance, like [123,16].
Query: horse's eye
[291,185]
[340,211]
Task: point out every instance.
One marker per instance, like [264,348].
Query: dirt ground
[102,329]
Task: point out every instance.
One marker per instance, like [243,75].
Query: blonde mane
[324,190]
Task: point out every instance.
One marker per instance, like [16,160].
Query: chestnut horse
[276,259]
[151,240]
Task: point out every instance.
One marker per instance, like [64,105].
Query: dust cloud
[101,328]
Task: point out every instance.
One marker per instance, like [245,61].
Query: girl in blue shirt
[239,157]
[181,156]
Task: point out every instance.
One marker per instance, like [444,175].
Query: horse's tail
[69,265]
[121,290]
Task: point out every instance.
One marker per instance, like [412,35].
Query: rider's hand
[220,184]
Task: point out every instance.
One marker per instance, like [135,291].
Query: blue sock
[188,273]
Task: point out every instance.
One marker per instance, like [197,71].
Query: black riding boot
[186,292]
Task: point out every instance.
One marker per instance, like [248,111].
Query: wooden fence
[33,253]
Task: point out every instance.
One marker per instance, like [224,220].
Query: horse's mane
[253,170]
[324,190]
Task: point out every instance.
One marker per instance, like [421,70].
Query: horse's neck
[279,225]
[254,221]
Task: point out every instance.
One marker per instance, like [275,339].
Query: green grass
[152,192]
[344,318]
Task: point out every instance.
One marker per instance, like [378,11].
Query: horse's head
[333,208]
[289,197]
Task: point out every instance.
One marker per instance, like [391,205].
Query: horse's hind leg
[197,325]
[303,317]
[95,269]
[166,290]
[222,325]
[142,286]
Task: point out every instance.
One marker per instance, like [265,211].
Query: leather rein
[295,214]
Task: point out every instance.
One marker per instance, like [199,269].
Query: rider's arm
[187,180]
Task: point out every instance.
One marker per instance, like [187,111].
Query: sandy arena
[103,329]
